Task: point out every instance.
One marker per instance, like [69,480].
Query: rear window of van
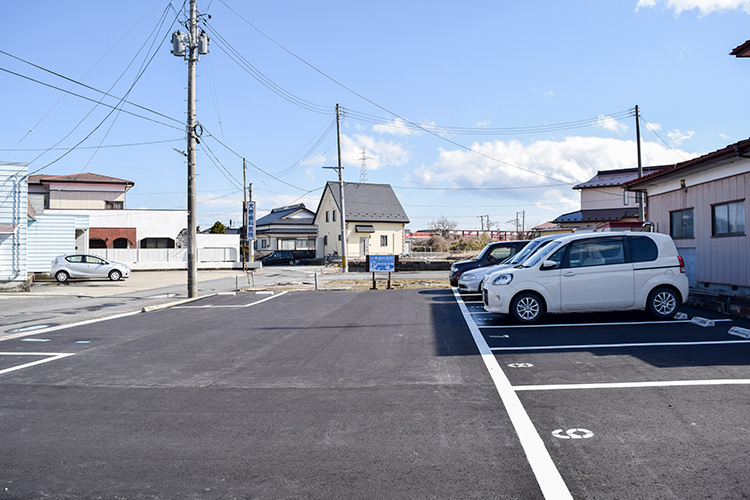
[642,249]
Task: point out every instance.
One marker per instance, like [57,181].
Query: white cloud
[379,153]
[678,137]
[703,6]
[572,160]
[609,123]
[396,127]
[483,124]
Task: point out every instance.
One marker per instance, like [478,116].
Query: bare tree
[443,225]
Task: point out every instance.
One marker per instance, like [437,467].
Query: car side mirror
[548,264]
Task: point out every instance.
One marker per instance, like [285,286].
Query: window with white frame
[327,216]
[383,240]
[728,219]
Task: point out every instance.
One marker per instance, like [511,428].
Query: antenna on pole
[363,166]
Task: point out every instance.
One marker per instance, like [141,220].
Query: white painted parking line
[69,325]
[232,306]
[631,385]
[613,323]
[615,346]
[549,478]
[52,356]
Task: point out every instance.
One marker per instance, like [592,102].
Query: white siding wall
[148,223]
[48,237]
[13,208]
[394,232]
[331,229]
[605,197]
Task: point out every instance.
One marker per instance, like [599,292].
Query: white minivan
[585,272]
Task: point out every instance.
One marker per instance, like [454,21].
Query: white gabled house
[375,220]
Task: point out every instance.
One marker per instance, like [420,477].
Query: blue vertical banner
[250,220]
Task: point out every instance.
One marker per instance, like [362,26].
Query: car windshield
[521,256]
[541,254]
[483,252]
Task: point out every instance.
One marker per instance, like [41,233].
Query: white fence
[169,258]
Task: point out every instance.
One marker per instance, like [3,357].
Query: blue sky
[467,110]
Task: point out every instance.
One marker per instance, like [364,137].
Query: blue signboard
[382,263]
[250,220]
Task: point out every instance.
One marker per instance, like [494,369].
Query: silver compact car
[472,281]
[66,267]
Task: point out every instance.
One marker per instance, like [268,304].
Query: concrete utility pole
[340,171]
[190,46]
[641,209]
[191,201]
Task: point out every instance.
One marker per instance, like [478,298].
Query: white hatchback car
[65,267]
[585,272]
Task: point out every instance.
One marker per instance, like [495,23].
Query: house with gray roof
[286,228]
[604,204]
[375,220]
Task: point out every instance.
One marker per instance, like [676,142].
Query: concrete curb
[175,303]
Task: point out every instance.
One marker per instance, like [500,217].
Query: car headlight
[468,276]
[503,279]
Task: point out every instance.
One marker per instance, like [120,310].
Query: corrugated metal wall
[13,210]
[48,237]
[721,260]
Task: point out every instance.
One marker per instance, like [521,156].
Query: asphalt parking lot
[374,394]
[626,407]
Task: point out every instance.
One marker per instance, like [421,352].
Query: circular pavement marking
[573,434]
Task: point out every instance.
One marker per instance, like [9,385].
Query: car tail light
[682,264]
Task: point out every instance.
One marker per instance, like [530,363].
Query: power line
[652,129]
[138,77]
[411,123]
[480,189]
[95,147]
[450,129]
[258,75]
[98,103]
[209,134]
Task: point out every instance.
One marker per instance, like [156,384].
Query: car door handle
[569,273]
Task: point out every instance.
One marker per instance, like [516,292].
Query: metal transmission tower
[363,166]
[189,46]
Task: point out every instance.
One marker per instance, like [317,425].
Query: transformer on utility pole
[189,46]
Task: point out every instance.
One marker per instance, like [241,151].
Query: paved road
[374,394]
[52,303]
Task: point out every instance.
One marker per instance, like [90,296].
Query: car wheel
[663,303]
[526,307]
[62,276]
[115,275]
[292,262]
